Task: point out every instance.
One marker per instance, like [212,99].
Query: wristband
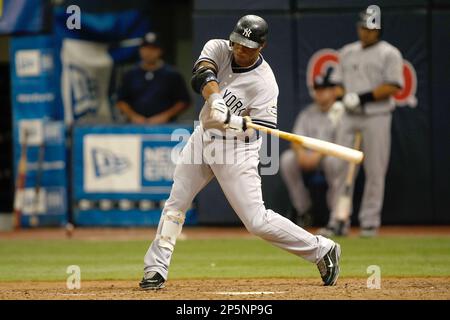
[366,97]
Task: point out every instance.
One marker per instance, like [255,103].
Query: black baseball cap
[323,80]
[151,39]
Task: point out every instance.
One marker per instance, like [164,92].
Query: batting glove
[238,123]
[352,102]
[219,110]
[335,113]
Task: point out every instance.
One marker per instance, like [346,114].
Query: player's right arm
[204,81]
[308,160]
[204,74]
[206,84]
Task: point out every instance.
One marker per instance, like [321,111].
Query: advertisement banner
[89,56]
[43,198]
[122,175]
[32,77]
[111,163]
[86,72]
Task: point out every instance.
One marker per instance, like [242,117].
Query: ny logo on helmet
[247,32]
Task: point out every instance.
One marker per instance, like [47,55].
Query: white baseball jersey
[250,91]
[361,70]
[314,123]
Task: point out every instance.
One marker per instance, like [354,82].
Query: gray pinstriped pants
[241,184]
[376,145]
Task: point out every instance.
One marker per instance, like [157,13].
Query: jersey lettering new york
[247,91]
[233,103]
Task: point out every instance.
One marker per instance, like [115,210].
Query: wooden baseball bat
[324,147]
[19,195]
[344,202]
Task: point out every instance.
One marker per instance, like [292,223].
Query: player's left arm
[384,91]
[308,160]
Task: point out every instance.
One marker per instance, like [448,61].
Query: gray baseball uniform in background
[361,70]
[249,91]
[314,123]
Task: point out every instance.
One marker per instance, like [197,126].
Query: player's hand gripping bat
[324,147]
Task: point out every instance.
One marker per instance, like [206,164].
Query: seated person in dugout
[153,92]
[318,120]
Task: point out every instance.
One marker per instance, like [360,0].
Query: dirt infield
[254,289]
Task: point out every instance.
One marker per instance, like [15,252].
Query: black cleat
[329,266]
[152,280]
[341,229]
[305,220]
[370,232]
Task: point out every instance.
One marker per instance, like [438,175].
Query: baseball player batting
[239,88]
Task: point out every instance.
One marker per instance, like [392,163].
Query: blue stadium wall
[418,179]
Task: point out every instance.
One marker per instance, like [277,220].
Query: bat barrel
[321,146]
[333,149]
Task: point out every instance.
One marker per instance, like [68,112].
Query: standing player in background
[238,86]
[319,121]
[369,73]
